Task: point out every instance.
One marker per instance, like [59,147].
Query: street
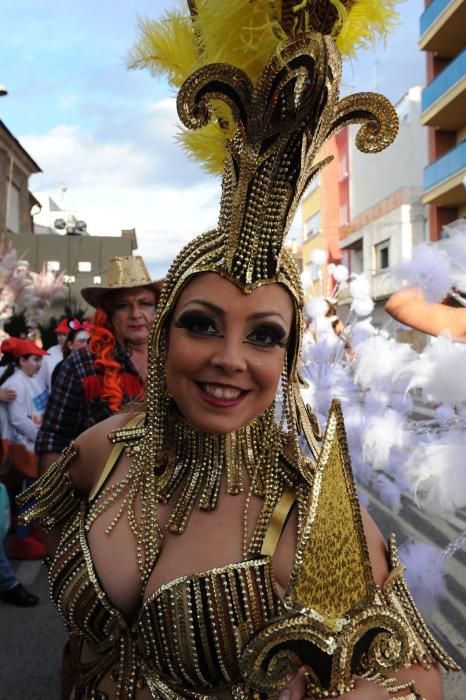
[32,639]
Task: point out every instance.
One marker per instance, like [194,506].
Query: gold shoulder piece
[122,439]
[339,622]
[131,432]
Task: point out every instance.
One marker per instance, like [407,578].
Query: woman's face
[80,341]
[226,351]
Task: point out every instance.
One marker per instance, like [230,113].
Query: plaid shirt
[75,401]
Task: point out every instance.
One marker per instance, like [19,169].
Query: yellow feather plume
[366,21]
[243,33]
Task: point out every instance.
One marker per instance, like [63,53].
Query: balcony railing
[431,13]
[440,85]
[445,167]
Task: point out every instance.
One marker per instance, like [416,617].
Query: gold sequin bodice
[188,636]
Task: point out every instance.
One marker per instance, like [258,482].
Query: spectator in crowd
[6,395]
[55,354]
[22,358]
[77,338]
[11,590]
[96,381]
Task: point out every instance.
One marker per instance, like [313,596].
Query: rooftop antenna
[63,191]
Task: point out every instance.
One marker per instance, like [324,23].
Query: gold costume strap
[114,456]
[277,522]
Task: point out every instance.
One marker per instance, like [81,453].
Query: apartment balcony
[444,99]
[443,179]
[442,27]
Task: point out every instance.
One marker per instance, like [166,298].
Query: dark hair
[11,363]
[69,339]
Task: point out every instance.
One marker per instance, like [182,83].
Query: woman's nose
[229,356]
[136,310]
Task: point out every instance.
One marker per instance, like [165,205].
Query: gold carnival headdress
[270,108]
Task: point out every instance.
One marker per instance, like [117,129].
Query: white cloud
[143,181]
[133,175]
[67,154]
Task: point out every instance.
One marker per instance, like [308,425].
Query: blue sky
[108,133]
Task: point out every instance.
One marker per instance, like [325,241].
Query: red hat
[18,347]
[63,326]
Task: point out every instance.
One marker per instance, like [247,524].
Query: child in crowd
[23,360]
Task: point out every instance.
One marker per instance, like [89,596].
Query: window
[312,225]
[97,279]
[382,256]
[12,205]
[84,266]
[53,266]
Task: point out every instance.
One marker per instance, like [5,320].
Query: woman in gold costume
[196,550]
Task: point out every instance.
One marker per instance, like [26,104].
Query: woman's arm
[85,466]
[410,307]
[428,683]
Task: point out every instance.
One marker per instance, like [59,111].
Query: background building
[325,208]
[443,37]
[60,242]
[16,202]
[313,236]
[387,217]
[366,211]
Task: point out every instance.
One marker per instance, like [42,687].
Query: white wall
[375,177]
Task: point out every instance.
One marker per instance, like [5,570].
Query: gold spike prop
[339,622]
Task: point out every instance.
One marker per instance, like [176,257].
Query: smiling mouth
[220,394]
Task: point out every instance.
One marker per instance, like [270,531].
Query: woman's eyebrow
[213,307]
[266,314]
[218,310]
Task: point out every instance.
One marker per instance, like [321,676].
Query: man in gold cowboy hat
[93,383]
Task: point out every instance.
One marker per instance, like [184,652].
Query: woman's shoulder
[377,548]
[94,447]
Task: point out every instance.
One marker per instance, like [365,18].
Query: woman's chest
[211,540]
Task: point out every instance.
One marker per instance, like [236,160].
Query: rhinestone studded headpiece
[281,123]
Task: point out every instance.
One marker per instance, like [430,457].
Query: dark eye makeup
[197,323]
[268,335]
[263,335]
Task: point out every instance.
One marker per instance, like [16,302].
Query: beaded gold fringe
[191,470]
[52,498]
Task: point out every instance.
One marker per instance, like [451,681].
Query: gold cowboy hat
[124,272]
